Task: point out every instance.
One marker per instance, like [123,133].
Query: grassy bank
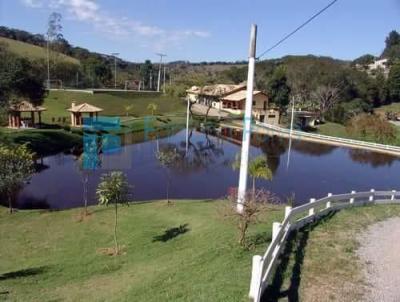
[320,262]
[338,130]
[42,141]
[51,141]
[114,104]
[55,256]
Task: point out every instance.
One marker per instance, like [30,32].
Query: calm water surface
[314,170]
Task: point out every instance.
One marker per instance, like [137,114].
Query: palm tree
[128,108]
[113,188]
[258,169]
[152,107]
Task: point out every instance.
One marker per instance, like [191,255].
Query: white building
[381,64]
[232,99]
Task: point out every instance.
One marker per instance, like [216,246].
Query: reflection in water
[205,170]
[315,149]
[273,147]
[372,158]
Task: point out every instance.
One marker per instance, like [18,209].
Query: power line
[297,29]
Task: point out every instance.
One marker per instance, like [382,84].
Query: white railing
[325,138]
[263,267]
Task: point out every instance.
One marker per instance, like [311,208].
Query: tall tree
[324,98]
[97,72]
[278,88]
[393,82]
[392,39]
[168,158]
[19,79]
[113,188]
[146,71]
[54,27]
[54,35]
[392,49]
[16,167]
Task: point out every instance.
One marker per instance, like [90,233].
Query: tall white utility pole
[151,80]
[247,122]
[187,125]
[159,70]
[164,81]
[290,135]
[48,61]
[115,54]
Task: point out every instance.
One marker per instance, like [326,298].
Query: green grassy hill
[31,51]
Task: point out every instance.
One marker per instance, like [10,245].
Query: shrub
[67,128]
[256,205]
[371,127]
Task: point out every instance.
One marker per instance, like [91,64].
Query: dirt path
[380,251]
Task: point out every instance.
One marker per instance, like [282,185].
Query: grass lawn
[114,104]
[54,256]
[320,262]
[32,51]
[333,129]
[42,141]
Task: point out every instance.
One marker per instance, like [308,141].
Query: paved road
[380,250]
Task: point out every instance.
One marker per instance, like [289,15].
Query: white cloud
[89,11]
[33,3]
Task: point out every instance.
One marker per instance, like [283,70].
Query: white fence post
[256,275]
[393,192]
[371,197]
[352,199]
[276,226]
[311,211]
[328,203]
[287,211]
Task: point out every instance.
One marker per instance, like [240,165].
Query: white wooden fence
[332,139]
[263,267]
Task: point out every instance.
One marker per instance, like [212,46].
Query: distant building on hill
[381,64]
[232,98]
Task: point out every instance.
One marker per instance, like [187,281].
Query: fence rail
[325,138]
[263,267]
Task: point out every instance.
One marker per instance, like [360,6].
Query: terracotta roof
[26,106]
[220,89]
[239,95]
[85,108]
[216,90]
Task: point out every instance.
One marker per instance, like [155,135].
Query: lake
[206,171]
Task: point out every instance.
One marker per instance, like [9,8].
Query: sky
[211,30]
